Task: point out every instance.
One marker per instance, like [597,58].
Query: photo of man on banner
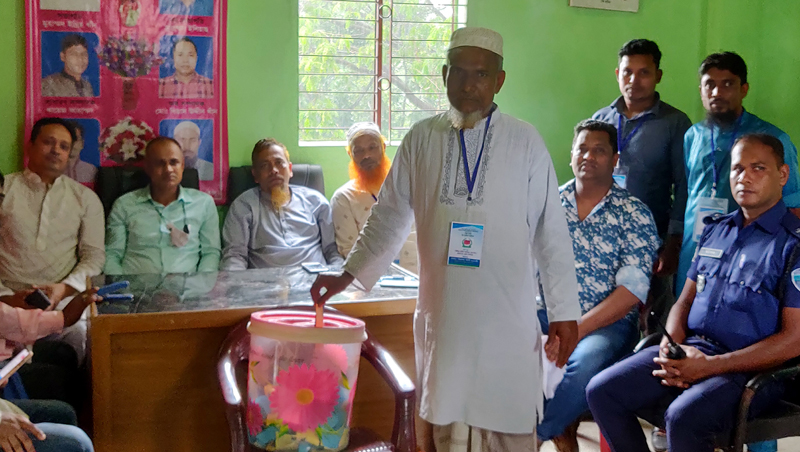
[196,137]
[84,157]
[69,65]
[187,69]
[187,7]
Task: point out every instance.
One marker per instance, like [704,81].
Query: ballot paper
[551,375]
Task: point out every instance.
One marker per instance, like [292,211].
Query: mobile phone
[113,287]
[314,267]
[675,350]
[14,364]
[38,299]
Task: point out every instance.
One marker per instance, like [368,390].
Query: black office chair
[112,182]
[780,421]
[240,179]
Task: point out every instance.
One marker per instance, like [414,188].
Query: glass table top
[268,287]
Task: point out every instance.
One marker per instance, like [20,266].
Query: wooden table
[153,361]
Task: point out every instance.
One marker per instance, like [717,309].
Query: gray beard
[461,120]
[190,162]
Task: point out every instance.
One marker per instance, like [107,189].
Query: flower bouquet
[124,142]
[129,58]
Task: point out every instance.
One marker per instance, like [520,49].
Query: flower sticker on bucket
[304,397]
[255,418]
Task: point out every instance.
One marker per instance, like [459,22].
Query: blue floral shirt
[614,246]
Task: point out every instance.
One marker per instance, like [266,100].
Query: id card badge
[178,237]
[466,244]
[621,176]
[706,207]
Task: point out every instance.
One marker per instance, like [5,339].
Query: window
[372,60]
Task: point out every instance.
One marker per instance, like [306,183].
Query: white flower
[128,150]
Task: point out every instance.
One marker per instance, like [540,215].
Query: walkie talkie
[675,350]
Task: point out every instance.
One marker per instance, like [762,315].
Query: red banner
[127,70]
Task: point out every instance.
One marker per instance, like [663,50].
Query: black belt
[714,343]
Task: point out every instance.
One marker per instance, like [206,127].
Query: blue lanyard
[474,175]
[716,171]
[374,197]
[622,144]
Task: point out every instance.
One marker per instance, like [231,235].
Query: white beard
[463,120]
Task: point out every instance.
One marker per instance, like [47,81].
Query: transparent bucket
[301,380]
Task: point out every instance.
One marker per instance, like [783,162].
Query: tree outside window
[372,60]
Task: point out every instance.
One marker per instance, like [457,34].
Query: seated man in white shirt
[276,224]
[163,228]
[51,230]
[353,201]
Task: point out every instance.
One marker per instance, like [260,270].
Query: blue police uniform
[737,270]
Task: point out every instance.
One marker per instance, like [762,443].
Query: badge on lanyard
[466,245]
[178,237]
[705,208]
[621,176]
[701,283]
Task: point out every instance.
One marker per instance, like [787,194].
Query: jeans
[693,416]
[54,374]
[58,421]
[766,446]
[598,350]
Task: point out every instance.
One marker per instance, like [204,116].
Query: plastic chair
[779,421]
[232,374]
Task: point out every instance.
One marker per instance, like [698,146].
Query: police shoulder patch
[796,278]
[791,223]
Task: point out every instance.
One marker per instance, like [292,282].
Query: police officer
[729,319]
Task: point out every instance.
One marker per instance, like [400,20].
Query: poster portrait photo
[69,64]
[196,137]
[187,68]
[85,155]
[186,7]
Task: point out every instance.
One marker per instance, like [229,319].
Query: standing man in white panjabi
[477,339]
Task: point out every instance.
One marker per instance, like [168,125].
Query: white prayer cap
[483,38]
[361,128]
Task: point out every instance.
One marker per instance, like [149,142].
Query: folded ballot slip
[551,375]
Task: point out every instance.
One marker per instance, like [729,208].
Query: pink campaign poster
[127,70]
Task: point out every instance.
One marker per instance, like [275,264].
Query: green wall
[560,63]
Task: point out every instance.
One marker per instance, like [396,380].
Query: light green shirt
[138,241]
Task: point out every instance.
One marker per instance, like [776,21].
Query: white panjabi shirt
[49,233]
[351,207]
[476,333]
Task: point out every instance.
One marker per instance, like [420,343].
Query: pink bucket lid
[298,326]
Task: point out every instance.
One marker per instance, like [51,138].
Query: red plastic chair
[232,374]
